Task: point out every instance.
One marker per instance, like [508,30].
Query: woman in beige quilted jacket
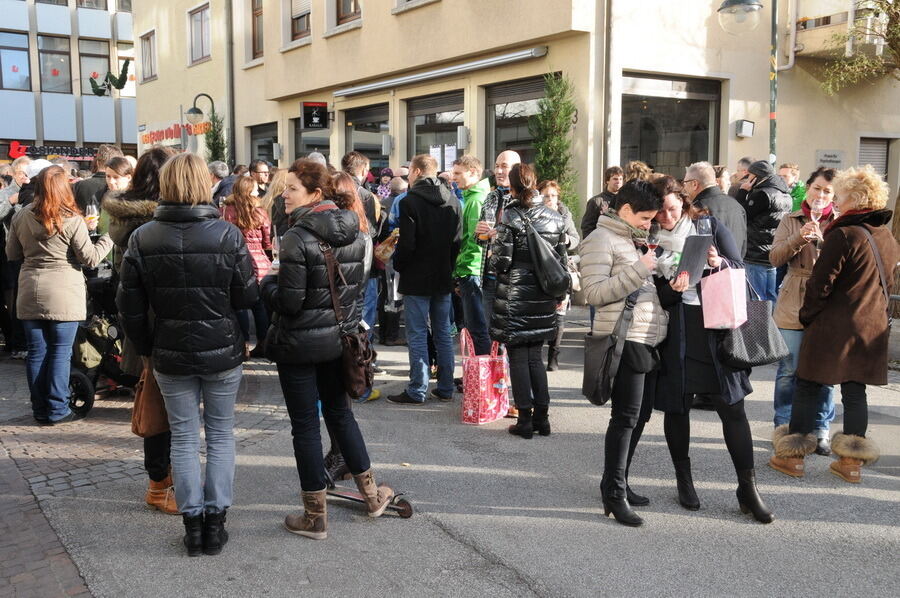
[614,266]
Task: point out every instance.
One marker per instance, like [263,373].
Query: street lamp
[742,16]
[194,115]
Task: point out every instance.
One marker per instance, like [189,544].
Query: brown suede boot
[853,452]
[790,450]
[313,523]
[161,496]
[377,497]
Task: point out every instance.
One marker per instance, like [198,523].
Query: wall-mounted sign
[315,115]
[174,132]
[17,150]
[830,159]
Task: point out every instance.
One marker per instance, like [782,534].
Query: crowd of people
[214,266]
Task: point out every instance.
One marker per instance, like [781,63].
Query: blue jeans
[370,305]
[473,313]
[418,310]
[183,395]
[786,383]
[762,279]
[488,294]
[48,365]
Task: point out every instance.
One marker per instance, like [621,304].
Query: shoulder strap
[330,266]
[621,330]
[880,264]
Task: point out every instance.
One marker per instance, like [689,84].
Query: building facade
[49,52]
[393,78]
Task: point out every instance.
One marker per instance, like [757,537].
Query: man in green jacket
[467,172]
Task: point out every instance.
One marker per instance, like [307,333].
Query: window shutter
[300,7]
[874,151]
[447,102]
[376,113]
[516,91]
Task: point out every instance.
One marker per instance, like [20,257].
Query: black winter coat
[90,190]
[727,211]
[304,328]
[593,209]
[666,384]
[193,270]
[766,204]
[523,312]
[224,189]
[430,237]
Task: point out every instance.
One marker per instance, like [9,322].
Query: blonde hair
[637,171]
[184,178]
[277,185]
[863,186]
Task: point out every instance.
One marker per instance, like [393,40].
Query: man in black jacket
[766,200]
[430,237]
[91,190]
[222,182]
[613,179]
[701,188]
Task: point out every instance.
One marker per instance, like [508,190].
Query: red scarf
[844,215]
[826,213]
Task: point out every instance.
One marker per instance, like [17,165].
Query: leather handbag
[552,276]
[148,415]
[602,355]
[357,354]
[756,342]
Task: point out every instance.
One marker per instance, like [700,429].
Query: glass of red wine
[653,237]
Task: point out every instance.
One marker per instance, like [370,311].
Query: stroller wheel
[81,392]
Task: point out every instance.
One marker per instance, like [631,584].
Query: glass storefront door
[670,123]
[262,142]
[365,129]
[314,140]
[509,106]
[433,121]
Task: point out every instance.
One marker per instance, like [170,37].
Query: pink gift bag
[485,383]
[724,299]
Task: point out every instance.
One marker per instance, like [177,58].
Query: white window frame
[331,25]
[144,77]
[286,19]
[401,6]
[190,33]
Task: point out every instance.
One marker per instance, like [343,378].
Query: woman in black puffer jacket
[524,315]
[305,337]
[193,271]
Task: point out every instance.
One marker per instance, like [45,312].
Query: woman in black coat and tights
[524,315]
[689,363]
[305,337]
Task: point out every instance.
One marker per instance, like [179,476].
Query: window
[262,142]
[126,51]
[347,10]
[123,5]
[306,142]
[257,21]
[56,68]
[98,4]
[874,151]
[300,21]
[94,57]
[148,56]
[14,61]
[432,126]
[365,130]
[200,34]
[509,106]
[56,2]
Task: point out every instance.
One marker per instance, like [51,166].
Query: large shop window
[94,56]
[433,121]
[262,142]
[308,141]
[56,68]
[365,130]
[14,61]
[670,123]
[509,106]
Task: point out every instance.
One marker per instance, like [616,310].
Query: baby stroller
[97,352]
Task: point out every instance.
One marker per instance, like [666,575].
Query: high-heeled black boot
[523,426]
[749,498]
[193,534]
[214,535]
[541,420]
[687,496]
[553,359]
[617,507]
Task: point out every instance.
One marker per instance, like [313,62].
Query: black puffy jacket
[766,204]
[523,312]
[193,269]
[304,328]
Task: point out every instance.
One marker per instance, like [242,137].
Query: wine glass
[91,216]
[703,226]
[276,249]
[816,210]
[653,237]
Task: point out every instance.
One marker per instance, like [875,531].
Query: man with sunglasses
[259,172]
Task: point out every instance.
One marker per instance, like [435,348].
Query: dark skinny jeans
[806,398]
[303,386]
[528,375]
[156,455]
[627,396]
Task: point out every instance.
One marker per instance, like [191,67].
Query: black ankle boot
[214,535]
[552,360]
[687,496]
[193,534]
[541,420]
[749,499]
[523,426]
[337,468]
[635,499]
[621,510]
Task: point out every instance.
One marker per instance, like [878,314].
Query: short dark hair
[611,172]
[239,169]
[826,173]
[105,152]
[256,164]
[642,196]
[353,162]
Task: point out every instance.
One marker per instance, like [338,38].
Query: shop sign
[315,115]
[17,150]
[174,132]
[830,159]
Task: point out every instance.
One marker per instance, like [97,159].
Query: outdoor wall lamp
[194,115]
[739,16]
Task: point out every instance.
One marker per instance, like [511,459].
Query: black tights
[735,428]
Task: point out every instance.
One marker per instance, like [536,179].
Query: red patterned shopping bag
[485,383]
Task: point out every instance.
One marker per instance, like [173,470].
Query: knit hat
[387,172]
[761,169]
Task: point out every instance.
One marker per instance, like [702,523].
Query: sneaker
[19,354]
[434,394]
[69,417]
[373,395]
[823,446]
[377,369]
[404,399]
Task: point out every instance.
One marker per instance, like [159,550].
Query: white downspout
[792,40]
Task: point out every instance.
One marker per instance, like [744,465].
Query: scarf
[672,243]
[636,233]
[384,191]
[826,213]
[842,216]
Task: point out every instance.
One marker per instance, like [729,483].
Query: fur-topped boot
[790,450]
[853,452]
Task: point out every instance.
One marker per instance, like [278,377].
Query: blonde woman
[194,271]
[845,308]
[272,202]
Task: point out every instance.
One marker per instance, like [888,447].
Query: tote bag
[724,299]
[148,415]
[756,342]
[485,383]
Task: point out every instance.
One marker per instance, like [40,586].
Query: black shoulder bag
[552,276]
[602,355]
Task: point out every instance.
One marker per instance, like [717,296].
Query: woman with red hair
[52,238]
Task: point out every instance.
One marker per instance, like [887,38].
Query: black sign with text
[315,115]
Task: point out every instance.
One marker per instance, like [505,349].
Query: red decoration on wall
[15,68]
[94,74]
[17,150]
[55,72]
